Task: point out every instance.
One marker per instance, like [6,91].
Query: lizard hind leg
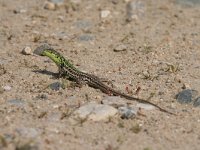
[80,83]
[108,81]
[61,73]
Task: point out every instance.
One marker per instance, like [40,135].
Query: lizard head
[46,50]
[41,49]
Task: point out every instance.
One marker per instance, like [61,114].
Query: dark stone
[16,102]
[86,37]
[186,96]
[188,2]
[55,86]
[83,24]
[127,112]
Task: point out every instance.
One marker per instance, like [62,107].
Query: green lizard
[67,69]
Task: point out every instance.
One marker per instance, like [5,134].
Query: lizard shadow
[55,75]
[46,72]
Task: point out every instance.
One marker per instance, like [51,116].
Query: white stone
[7,88]
[104,13]
[49,5]
[27,51]
[28,132]
[95,112]
[121,47]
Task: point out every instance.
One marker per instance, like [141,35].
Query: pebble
[119,48]
[76,1]
[197,102]
[54,116]
[104,13]
[7,88]
[127,112]
[61,18]
[49,5]
[114,101]
[95,112]
[16,102]
[86,37]
[3,61]
[60,35]
[55,86]
[27,132]
[20,11]
[57,1]
[186,96]
[188,2]
[27,51]
[145,106]
[127,1]
[134,9]
[83,24]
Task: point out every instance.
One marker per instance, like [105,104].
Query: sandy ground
[161,58]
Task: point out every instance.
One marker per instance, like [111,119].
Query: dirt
[160,57]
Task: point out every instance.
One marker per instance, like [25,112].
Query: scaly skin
[67,69]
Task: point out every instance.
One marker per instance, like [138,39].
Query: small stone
[54,116]
[55,86]
[186,96]
[127,112]
[27,51]
[49,5]
[127,1]
[119,48]
[190,3]
[134,9]
[23,11]
[16,102]
[83,24]
[186,86]
[7,88]
[114,101]
[95,112]
[197,102]
[61,18]
[75,1]
[3,61]
[60,35]
[104,13]
[86,37]
[19,11]
[27,132]
[57,1]
[145,106]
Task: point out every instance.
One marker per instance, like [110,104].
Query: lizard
[67,69]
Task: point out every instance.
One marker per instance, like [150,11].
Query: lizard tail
[116,93]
